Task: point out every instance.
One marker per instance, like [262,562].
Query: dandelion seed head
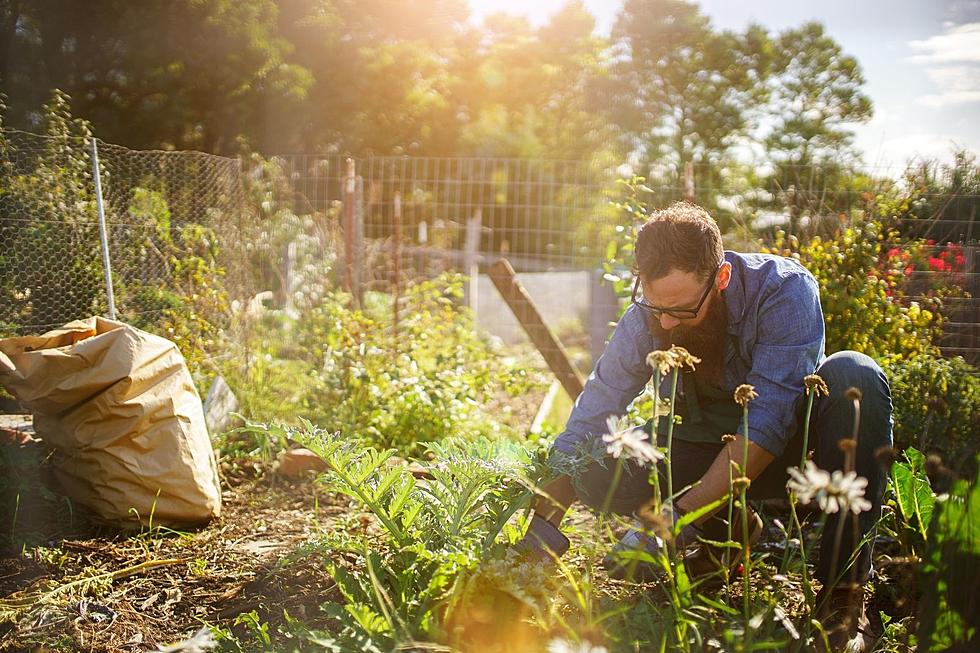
[886,456]
[662,361]
[657,520]
[744,394]
[728,437]
[935,467]
[847,445]
[815,383]
[741,483]
[683,357]
[853,394]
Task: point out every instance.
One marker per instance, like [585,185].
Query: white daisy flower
[564,646]
[837,492]
[629,442]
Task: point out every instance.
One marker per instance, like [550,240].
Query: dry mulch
[236,565]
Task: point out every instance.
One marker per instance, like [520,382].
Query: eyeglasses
[679,313]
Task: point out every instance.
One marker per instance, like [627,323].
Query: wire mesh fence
[553,219]
[50,269]
[195,239]
[174,231]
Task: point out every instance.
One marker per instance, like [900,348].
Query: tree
[683,90]
[160,73]
[383,70]
[817,95]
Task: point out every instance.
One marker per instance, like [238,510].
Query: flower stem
[746,557]
[670,437]
[617,475]
[806,427]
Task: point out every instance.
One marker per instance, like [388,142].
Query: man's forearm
[715,482]
[555,499]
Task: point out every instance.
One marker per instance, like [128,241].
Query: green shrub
[347,370]
[936,405]
[863,307]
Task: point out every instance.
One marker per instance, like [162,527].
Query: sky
[920,58]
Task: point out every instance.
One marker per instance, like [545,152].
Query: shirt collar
[735,293]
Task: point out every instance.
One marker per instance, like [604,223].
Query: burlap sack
[119,407]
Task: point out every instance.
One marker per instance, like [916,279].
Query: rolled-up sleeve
[618,378]
[789,345]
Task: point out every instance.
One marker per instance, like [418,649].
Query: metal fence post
[359,240]
[103,235]
[604,310]
[349,188]
[397,255]
[471,246]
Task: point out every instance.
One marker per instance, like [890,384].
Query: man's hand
[715,482]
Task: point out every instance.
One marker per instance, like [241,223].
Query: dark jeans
[832,419]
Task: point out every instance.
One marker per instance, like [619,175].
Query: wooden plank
[505,280]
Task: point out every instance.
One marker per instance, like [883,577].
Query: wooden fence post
[505,280]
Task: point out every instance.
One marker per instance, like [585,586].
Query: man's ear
[724,275]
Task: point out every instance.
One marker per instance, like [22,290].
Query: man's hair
[683,237]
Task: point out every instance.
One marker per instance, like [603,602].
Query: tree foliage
[389,77]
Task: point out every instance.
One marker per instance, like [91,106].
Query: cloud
[952,61]
[960,43]
[958,85]
[929,145]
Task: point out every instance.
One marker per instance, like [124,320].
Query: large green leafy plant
[413,573]
[936,406]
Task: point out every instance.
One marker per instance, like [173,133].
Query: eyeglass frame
[677,313]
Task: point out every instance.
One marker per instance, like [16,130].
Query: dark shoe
[840,610]
[709,562]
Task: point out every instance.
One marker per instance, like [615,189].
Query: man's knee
[850,369]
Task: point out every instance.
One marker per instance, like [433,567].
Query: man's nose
[667,322]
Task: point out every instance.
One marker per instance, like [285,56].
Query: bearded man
[751,319]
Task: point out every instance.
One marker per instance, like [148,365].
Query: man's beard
[706,341]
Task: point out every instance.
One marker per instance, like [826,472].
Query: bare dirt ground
[211,576]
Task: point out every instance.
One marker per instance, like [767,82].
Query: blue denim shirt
[777,325]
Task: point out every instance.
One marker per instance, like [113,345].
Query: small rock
[296,462]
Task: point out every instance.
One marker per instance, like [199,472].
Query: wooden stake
[505,280]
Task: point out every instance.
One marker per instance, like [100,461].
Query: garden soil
[232,567]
